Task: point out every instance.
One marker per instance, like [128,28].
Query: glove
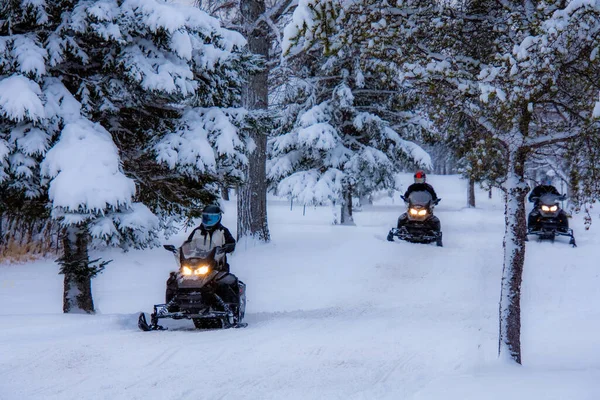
[228,248]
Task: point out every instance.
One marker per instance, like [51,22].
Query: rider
[420,185]
[535,215]
[541,190]
[210,234]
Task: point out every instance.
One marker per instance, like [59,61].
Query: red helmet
[420,177]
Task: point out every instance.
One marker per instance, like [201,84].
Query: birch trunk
[77,295]
[514,257]
[252,199]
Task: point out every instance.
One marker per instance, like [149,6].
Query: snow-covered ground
[334,312]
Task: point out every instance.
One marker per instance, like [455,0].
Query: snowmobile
[418,224]
[202,290]
[548,220]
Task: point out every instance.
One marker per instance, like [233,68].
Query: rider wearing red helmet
[421,185]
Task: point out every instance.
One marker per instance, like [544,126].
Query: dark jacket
[541,190]
[421,187]
[219,236]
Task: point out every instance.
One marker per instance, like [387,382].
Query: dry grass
[26,242]
[15,252]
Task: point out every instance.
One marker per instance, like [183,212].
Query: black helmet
[211,216]
[420,177]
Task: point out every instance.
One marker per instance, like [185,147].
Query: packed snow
[334,312]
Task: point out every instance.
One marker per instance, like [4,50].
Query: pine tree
[339,132]
[100,96]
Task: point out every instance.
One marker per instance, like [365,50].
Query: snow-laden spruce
[152,53]
[343,123]
[334,146]
[122,113]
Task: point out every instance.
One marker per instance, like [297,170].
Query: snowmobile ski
[143,324]
[415,237]
[544,234]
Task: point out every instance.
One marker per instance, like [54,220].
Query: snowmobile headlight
[414,211]
[554,208]
[203,270]
[545,208]
[422,212]
[185,270]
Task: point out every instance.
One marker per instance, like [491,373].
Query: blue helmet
[211,216]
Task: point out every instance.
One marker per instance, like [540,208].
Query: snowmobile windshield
[195,249]
[550,198]
[422,198]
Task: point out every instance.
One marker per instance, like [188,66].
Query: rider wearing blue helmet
[211,233]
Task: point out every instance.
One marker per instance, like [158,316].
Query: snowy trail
[333,312]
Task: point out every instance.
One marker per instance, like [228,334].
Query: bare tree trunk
[346,214]
[225,193]
[490,193]
[514,257]
[471,193]
[77,295]
[366,199]
[252,199]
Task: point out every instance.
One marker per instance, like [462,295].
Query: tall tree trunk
[225,192]
[514,257]
[77,295]
[252,199]
[346,214]
[471,193]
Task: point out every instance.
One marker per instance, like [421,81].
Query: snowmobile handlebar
[219,249]
[170,247]
[228,248]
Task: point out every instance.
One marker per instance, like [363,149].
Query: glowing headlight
[185,270]
[553,208]
[422,212]
[545,208]
[414,211]
[203,270]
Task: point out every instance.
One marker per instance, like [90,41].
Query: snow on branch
[30,57]
[20,99]
[203,136]
[312,187]
[554,138]
[85,169]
